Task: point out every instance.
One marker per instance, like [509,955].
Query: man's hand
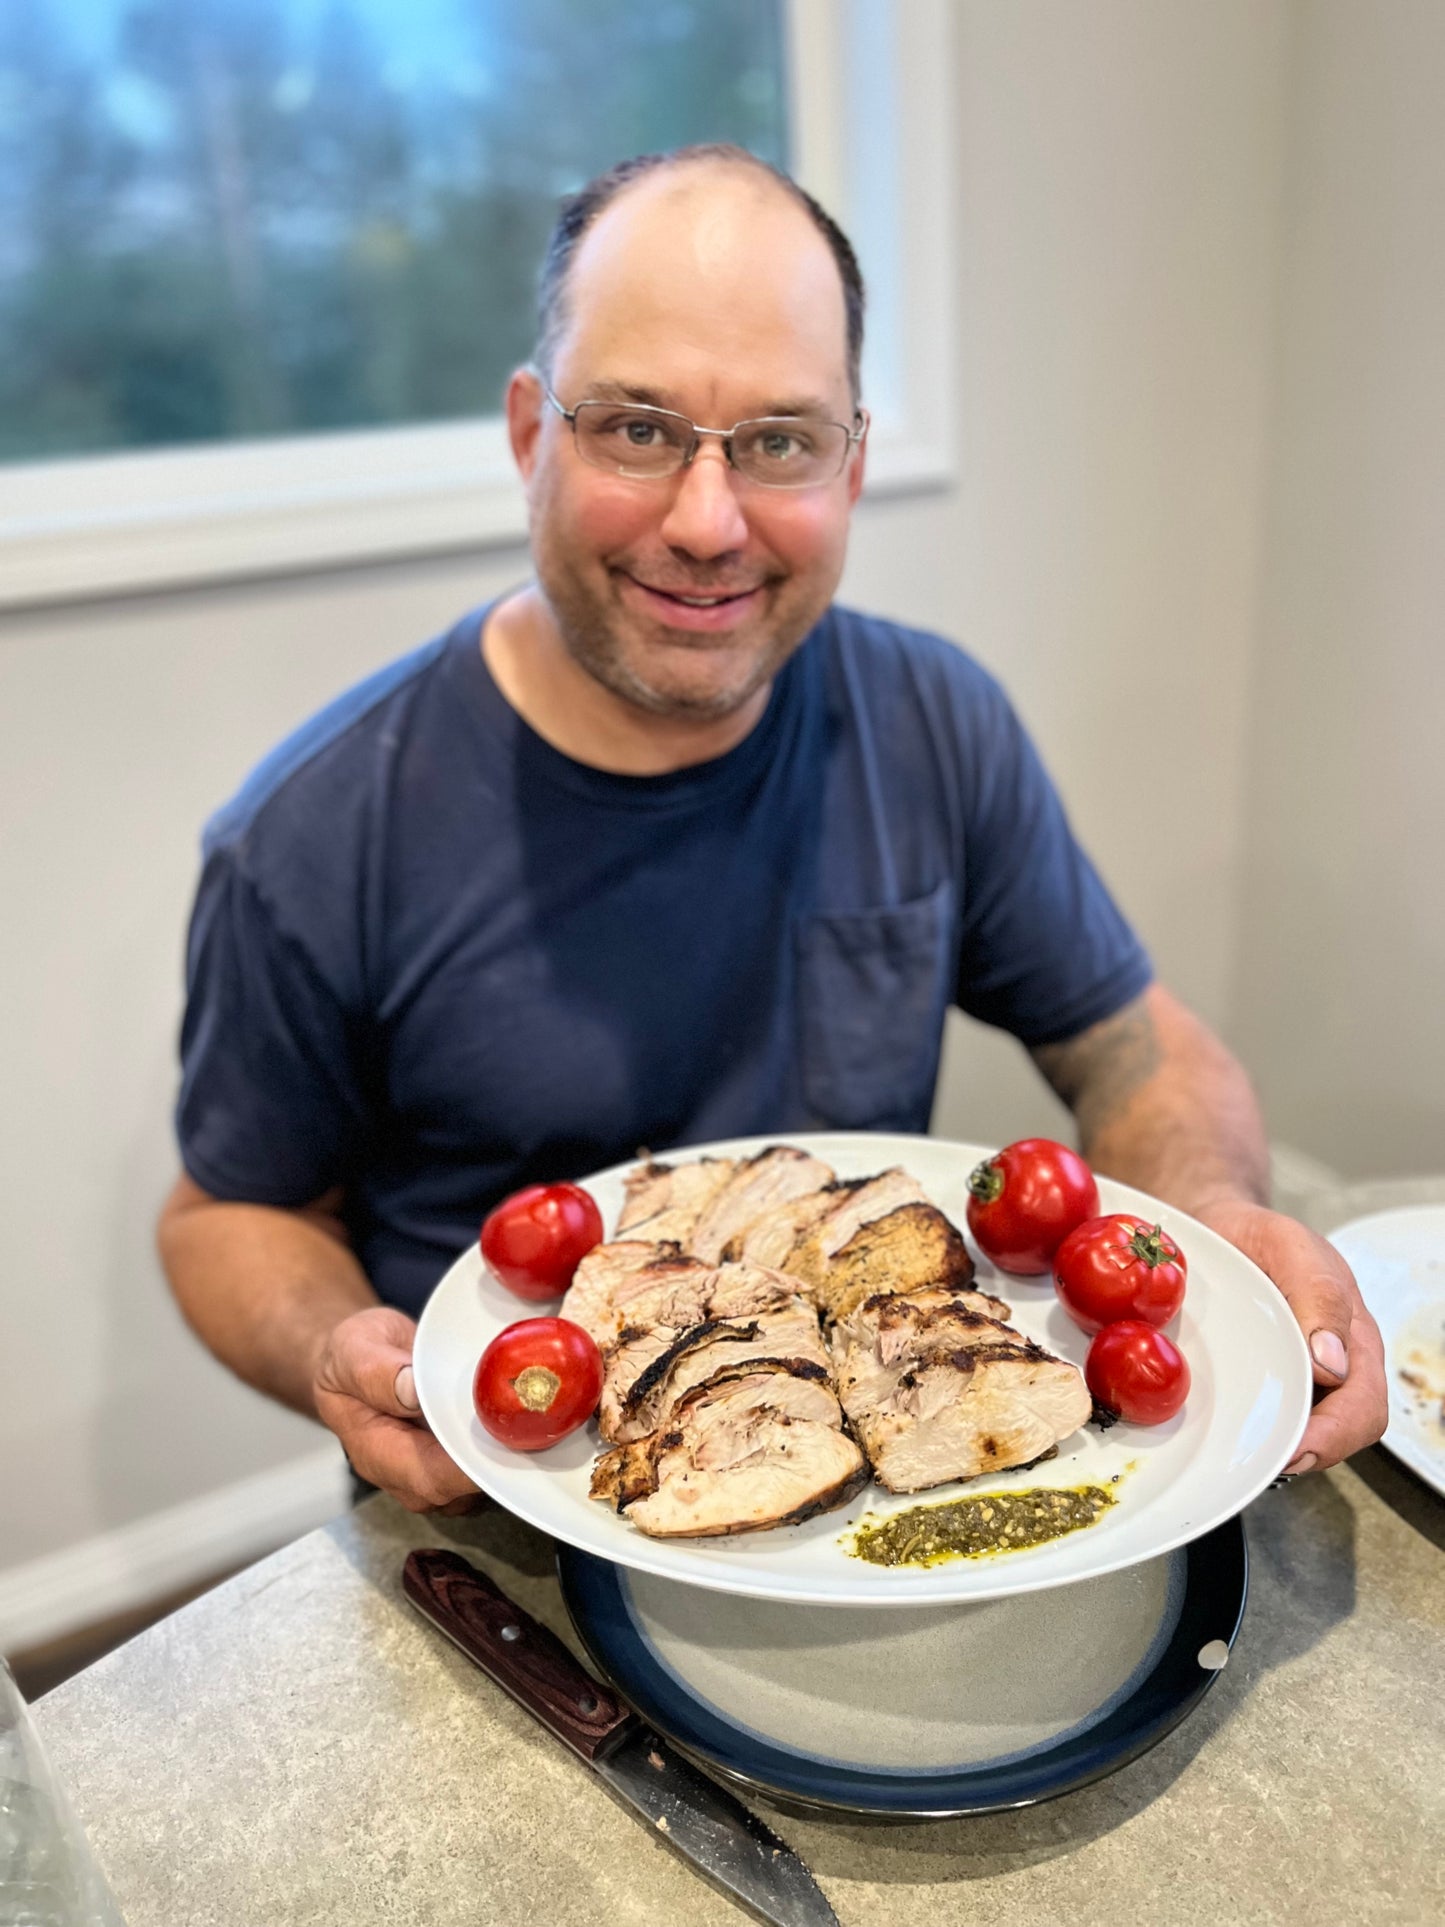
[1163,1105]
[365,1393]
[1352,1407]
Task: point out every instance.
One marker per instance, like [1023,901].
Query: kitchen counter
[299,1747]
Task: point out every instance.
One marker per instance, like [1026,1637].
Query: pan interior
[918,1691]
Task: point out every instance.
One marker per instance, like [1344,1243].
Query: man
[659,849]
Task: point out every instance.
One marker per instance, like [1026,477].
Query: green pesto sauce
[926,1535]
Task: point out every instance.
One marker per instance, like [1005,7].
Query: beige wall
[1340,993]
[1117,185]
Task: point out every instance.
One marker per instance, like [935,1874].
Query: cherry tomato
[1119,1267]
[1026,1199]
[536,1239]
[537,1381]
[1137,1372]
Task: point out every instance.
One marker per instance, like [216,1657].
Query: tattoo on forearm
[1097,1072]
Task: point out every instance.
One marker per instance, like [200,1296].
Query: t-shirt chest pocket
[873,989]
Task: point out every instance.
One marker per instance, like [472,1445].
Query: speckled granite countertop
[298,1747]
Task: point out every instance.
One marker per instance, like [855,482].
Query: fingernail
[406,1389]
[1306,1462]
[1329,1353]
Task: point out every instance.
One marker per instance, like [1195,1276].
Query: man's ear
[525,402]
[858,462]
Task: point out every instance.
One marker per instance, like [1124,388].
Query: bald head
[710,188]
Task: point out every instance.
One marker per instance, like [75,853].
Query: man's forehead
[708,264]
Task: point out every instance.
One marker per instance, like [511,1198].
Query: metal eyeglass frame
[724,435]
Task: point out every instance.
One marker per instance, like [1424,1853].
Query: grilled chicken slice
[631,1411]
[938,1390]
[630,1282]
[753,1446]
[663,1200]
[906,1249]
[772,1177]
[768,1238]
[647,1310]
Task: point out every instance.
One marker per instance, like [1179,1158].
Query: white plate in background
[1398,1258]
[1248,1404]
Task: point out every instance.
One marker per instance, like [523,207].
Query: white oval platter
[1248,1404]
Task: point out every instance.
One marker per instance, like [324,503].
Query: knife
[712,1831]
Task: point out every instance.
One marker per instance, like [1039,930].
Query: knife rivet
[511,1634]
[587,1704]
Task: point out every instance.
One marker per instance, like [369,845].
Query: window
[232,219]
[223,222]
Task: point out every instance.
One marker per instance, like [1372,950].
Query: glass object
[648,444]
[226,219]
[48,1875]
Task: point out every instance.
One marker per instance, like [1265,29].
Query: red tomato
[537,1381]
[1119,1267]
[1026,1199]
[1137,1372]
[536,1239]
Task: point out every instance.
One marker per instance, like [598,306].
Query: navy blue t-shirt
[433,959]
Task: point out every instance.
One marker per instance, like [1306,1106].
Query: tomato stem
[986,1181]
[536,1387]
[1147,1244]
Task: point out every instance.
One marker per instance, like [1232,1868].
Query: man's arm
[1162,1104]
[280,1297]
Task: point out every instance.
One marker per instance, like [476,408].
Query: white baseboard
[117,1571]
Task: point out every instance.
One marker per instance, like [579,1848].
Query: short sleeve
[271,1109]
[1044,952]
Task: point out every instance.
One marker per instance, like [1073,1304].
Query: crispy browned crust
[910,1248]
[626,1473]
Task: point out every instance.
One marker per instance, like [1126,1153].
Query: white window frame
[869,99]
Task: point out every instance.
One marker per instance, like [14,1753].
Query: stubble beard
[595,640]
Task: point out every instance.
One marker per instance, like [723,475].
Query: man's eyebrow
[607,390]
[627,391]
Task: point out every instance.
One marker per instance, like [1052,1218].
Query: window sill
[276,508]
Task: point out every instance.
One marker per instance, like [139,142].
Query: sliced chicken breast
[910,1247]
[658,1187]
[749,1449]
[936,1389]
[791,1333]
[973,1412]
[614,1281]
[772,1177]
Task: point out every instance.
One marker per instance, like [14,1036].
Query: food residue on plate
[982,1523]
[1420,1368]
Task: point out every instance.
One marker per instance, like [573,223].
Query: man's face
[706,290]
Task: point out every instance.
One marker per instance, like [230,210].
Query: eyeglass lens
[781,453]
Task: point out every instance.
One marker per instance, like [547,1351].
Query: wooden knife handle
[526,1659]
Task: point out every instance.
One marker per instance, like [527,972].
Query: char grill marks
[721,1398]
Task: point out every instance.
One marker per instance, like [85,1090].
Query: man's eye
[637,431]
[783,445]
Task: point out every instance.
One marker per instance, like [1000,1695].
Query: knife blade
[714,1832]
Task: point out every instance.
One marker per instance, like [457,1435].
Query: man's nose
[704,517]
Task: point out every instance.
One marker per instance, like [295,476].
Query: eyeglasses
[649,444]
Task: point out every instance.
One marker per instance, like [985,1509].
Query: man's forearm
[262,1288]
[1161,1104]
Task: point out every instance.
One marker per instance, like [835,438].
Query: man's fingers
[406,1461]
[369,1358]
[1356,1413]
[1345,1350]
[1322,1298]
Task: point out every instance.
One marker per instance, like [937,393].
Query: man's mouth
[690,608]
